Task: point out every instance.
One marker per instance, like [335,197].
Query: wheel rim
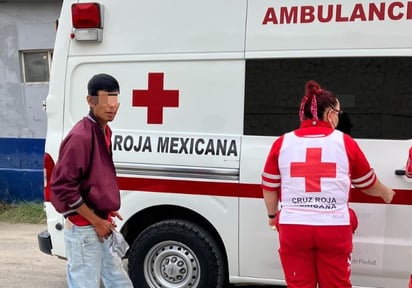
[171,264]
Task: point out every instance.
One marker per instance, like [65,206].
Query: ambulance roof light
[87,19]
[86,15]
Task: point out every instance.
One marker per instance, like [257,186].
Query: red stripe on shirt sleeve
[271,174]
[362,175]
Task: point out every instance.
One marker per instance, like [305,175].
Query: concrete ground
[22,264]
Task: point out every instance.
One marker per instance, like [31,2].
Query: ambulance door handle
[400,172]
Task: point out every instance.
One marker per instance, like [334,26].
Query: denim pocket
[89,239]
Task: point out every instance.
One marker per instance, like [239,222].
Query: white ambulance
[206,87]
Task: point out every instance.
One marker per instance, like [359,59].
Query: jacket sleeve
[71,167]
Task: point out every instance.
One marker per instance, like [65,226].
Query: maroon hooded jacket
[84,172]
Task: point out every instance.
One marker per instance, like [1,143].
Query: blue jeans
[88,260]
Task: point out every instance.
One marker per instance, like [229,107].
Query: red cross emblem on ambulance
[155,98]
[313,169]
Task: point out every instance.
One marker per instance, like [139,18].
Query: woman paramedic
[309,171]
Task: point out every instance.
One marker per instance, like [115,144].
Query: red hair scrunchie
[312,90]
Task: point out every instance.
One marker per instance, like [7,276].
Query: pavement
[22,265]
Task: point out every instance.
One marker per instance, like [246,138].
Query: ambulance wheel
[176,254]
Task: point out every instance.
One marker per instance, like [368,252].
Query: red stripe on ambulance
[402,197]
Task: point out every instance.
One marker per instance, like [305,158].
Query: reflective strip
[363,178]
[314,136]
[271,176]
[76,203]
[68,212]
[365,184]
[270,184]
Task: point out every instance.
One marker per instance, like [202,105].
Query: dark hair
[103,82]
[315,101]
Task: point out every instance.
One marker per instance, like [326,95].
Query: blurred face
[332,115]
[104,106]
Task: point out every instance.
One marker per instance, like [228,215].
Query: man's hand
[117,215]
[103,229]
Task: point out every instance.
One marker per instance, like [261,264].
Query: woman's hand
[272,220]
[388,196]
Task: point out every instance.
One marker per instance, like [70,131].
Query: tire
[176,254]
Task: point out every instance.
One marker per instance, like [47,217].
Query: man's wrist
[272,216]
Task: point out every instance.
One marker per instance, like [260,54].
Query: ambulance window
[376,92]
[36,66]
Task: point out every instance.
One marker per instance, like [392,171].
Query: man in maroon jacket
[84,189]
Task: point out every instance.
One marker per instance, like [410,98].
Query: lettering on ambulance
[198,146]
[176,145]
[128,143]
[366,256]
[362,261]
[394,11]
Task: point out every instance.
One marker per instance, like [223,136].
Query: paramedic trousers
[89,260]
[316,255]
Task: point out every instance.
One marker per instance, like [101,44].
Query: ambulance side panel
[163,27]
[208,110]
[280,58]
[205,149]
[198,140]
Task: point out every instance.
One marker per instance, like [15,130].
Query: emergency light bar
[87,20]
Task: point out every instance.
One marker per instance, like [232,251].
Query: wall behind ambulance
[24,26]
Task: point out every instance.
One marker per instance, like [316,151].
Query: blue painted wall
[21,169]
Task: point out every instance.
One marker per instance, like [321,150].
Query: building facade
[27,30]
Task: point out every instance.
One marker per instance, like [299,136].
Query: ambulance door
[375,93]
[258,243]
[176,137]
